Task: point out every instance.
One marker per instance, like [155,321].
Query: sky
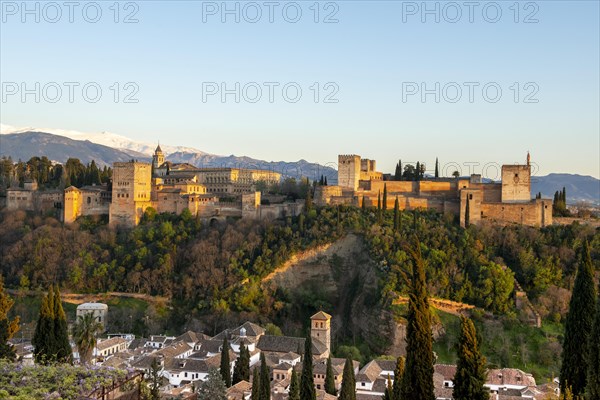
[476,84]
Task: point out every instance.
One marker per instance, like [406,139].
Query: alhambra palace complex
[221,192]
[506,202]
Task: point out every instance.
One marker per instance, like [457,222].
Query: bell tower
[320,330]
[158,158]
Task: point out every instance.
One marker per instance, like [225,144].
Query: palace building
[508,201]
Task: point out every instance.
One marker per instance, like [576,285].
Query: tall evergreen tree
[364,203]
[325,182]
[255,395]
[470,369]
[43,337]
[384,197]
[398,374]
[437,168]
[307,381]
[63,349]
[396,214]
[265,379]
[388,394]
[155,379]
[348,389]
[417,381]
[308,201]
[225,367]
[593,378]
[578,326]
[417,171]
[329,378]
[467,213]
[294,393]
[241,371]
[7,327]
[379,212]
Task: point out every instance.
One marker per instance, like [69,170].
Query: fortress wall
[323,194]
[452,207]
[404,187]
[492,192]
[534,213]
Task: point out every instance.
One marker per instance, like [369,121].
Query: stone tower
[349,171]
[320,329]
[131,191]
[158,158]
[516,182]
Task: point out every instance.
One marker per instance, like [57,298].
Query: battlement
[348,158]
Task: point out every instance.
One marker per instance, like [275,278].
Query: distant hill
[579,187]
[59,148]
[26,144]
[296,169]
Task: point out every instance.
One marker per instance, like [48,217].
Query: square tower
[349,171]
[516,183]
[320,330]
[131,190]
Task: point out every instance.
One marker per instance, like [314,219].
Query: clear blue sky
[369,53]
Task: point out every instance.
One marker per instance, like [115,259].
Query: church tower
[158,158]
[320,330]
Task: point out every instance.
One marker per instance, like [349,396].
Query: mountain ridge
[24,144]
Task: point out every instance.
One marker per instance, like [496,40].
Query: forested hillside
[217,270]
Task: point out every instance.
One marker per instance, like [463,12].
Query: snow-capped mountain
[109,139]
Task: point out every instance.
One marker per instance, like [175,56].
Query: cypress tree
[307,381]
[396,214]
[325,183]
[384,196]
[225,365]
[564,196]
[467,212]
[241,371]
[593,378]
[379,215]
[348,390]
[294,393]
[63,349]
[398,374]
[388,394]
[417,169]
[255,395]
[329,378]
[437,171]
[154,383]
[364,204]
[400,168]
[578,326]
[417,381]
[470,369]
[265,379]
[321,181]
[43,337]
[308,202]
